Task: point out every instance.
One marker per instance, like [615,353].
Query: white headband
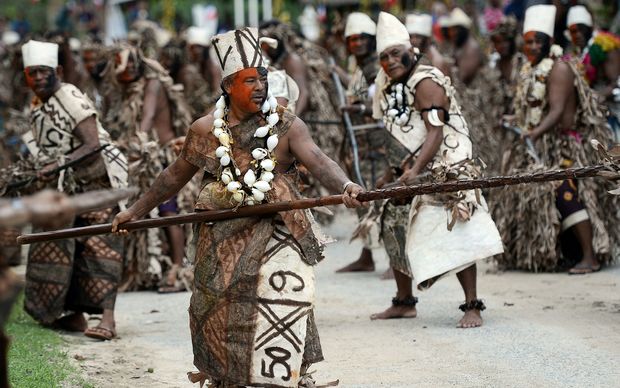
[37,53]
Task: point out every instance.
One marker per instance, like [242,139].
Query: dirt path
[549,330]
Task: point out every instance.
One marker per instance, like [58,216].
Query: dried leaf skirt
[527,217]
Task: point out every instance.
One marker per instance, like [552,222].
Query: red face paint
[357,45]
[41,79]
[532,47]
[248,90]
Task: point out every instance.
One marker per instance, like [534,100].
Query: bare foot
[401,308]
[72,322]
[388,274]
[365,263]
[396,312]
[472,318]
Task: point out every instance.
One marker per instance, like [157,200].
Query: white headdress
[237,50]
[199,36]
[9,37]
[578,14]
[37,53]
[419,24]
[391,32]
[359,23]
[540,18]
[458,17]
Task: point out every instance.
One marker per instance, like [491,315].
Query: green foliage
[37,356]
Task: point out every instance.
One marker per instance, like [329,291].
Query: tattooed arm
[328,172]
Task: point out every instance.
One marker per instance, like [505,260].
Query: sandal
[100,333]
[583,269]
[170,289]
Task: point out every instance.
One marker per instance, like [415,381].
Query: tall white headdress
[458,17]
[391,32]
[420,24]
[359,23]
[37,53]
[237,50]
[540,18]
[578,14]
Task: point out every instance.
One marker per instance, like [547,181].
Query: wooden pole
[307,203]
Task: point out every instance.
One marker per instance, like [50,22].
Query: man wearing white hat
[557,111]
[429,136]
[252,275]
[67,278]
[475,91]
[360,31]
[599,52]
[420,28]
[200,54]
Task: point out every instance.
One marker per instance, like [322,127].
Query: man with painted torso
[67,278]
[438,234]
[250,272]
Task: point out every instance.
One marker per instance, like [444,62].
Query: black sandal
[475,304]
[409,301]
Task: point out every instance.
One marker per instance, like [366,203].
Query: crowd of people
[204,121]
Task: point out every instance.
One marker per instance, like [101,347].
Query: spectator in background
[493,14]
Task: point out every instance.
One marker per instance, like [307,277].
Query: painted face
[248,89]
[397,62]
[357,45]
[534,47]
[42,80]
[419,41]
[131,72]
[579,35]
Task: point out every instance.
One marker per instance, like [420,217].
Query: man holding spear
[64,279]
[251,313]
[445,233]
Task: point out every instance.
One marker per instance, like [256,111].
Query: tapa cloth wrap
[250,274]
[446,232]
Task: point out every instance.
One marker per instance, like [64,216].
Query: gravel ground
[540,330]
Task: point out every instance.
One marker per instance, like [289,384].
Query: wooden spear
[307,203]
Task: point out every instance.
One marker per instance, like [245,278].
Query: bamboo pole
[307,203]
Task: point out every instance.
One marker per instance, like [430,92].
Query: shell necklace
[255,183]
[397,109]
